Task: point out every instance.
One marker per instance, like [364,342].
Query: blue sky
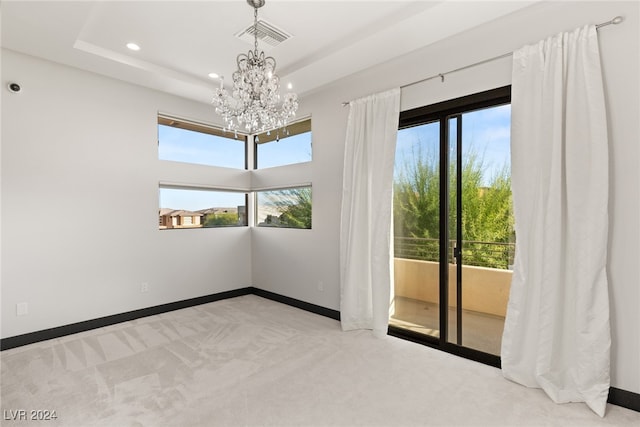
[182,145]
[194,200]
[487,132]
[286,151]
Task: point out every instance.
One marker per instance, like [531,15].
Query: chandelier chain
[255,29]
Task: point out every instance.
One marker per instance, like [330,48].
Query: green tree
[417,197]
[486,216]
[294,205]
[220,220]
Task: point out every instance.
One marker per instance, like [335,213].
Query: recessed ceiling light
[214,75]
[289,86]
[133,46]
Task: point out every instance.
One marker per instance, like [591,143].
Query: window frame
[441,112]
[434,112]
[179,224]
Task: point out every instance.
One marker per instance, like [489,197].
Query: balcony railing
[481,254]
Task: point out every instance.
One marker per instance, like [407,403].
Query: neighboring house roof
[165,211]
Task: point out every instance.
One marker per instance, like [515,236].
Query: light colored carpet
[248,361]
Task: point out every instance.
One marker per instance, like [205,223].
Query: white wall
[303,264]
[292,262]
[80,175]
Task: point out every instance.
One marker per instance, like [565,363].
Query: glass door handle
[457,253]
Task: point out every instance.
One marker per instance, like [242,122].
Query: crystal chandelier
[253,105]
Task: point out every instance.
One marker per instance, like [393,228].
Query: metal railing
[481,254]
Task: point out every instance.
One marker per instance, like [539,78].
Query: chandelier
[254,104]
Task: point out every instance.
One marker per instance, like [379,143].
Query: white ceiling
[183,41]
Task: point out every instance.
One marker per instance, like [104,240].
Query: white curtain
[557,334]
[366,235]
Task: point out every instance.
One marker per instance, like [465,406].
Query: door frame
[441,112]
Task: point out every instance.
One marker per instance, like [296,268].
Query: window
[285,146]
[284,208]
[201,208]
[190,142]
[185,203]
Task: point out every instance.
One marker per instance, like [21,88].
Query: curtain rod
[614,21]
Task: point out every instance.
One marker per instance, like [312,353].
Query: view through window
[284,208]
[188,142]
[285,146]
[453,226]
[201,208]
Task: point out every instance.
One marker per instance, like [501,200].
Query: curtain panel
[366,237]
[557,333]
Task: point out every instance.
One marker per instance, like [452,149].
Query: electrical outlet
[22,309]
[320,285]
[144,287]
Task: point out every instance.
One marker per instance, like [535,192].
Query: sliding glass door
[453,225]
